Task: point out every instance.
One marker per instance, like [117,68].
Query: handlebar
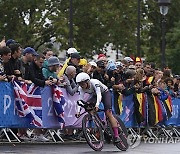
[88,106]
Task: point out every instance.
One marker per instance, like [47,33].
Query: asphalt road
[83,148]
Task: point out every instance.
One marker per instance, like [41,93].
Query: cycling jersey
[96,88]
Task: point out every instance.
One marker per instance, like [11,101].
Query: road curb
[43,143]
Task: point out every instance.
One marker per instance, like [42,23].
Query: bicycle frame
[91,111]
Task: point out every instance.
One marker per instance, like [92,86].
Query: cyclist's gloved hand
[96,108]
[77,115]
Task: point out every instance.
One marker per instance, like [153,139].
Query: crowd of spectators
[126,77]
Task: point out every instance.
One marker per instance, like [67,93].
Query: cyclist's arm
[99,96]
[81,97]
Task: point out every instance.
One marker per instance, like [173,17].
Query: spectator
[125,64]
[90,68]
[5,53]
[3,43]
[147,69]
[74,61]
[9,42]
[50,72]
[170,86]
[71,86]
[13,67]
[132,67]
[102,57]
[28,56]
[166,73]
[100,73]
[138,65]
[129,60]
[70,51]
[176,83]
[129,82]
[36,75]
[82,64]
[47,54]
[111,72]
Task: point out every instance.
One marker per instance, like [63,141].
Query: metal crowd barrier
[9,118]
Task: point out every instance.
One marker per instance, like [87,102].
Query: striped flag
[58,102]
[28,102]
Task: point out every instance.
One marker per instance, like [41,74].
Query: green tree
[173,48]
[151,34]
[33,22]
[100,23]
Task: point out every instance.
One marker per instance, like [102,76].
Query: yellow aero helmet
[83,62]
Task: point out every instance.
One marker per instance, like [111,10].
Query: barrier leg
[167,134]
[80,135]
[1,133]
[174,132]
[134,138]
[149,131]
[52,135]
[177,133]
[58,136]
[4,130]
[14,135]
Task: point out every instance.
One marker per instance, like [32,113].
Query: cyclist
[97,92]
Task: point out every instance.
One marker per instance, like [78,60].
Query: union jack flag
[58,102]
[28,102]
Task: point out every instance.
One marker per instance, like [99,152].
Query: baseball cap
[30,50]
[100,64]
[119,64]
[112,67]
[53,61]
[10,41]
[75,55]
[92,63]
[83,62]
[101,55]
[72,50]
[128,59]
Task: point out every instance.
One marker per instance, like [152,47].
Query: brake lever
[80,103]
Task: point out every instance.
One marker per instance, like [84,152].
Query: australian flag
[28,102]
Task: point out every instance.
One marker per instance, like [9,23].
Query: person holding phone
[50,71]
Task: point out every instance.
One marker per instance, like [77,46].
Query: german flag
[158,109]
[169,103]
[141,100]
[138,107]
[120,98]
[168,107]
[149,80]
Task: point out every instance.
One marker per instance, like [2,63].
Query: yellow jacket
[61,72]
[82,62]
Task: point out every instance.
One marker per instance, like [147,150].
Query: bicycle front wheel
[93,132]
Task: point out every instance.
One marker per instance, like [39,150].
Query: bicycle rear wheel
[123,134]
[93,132]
